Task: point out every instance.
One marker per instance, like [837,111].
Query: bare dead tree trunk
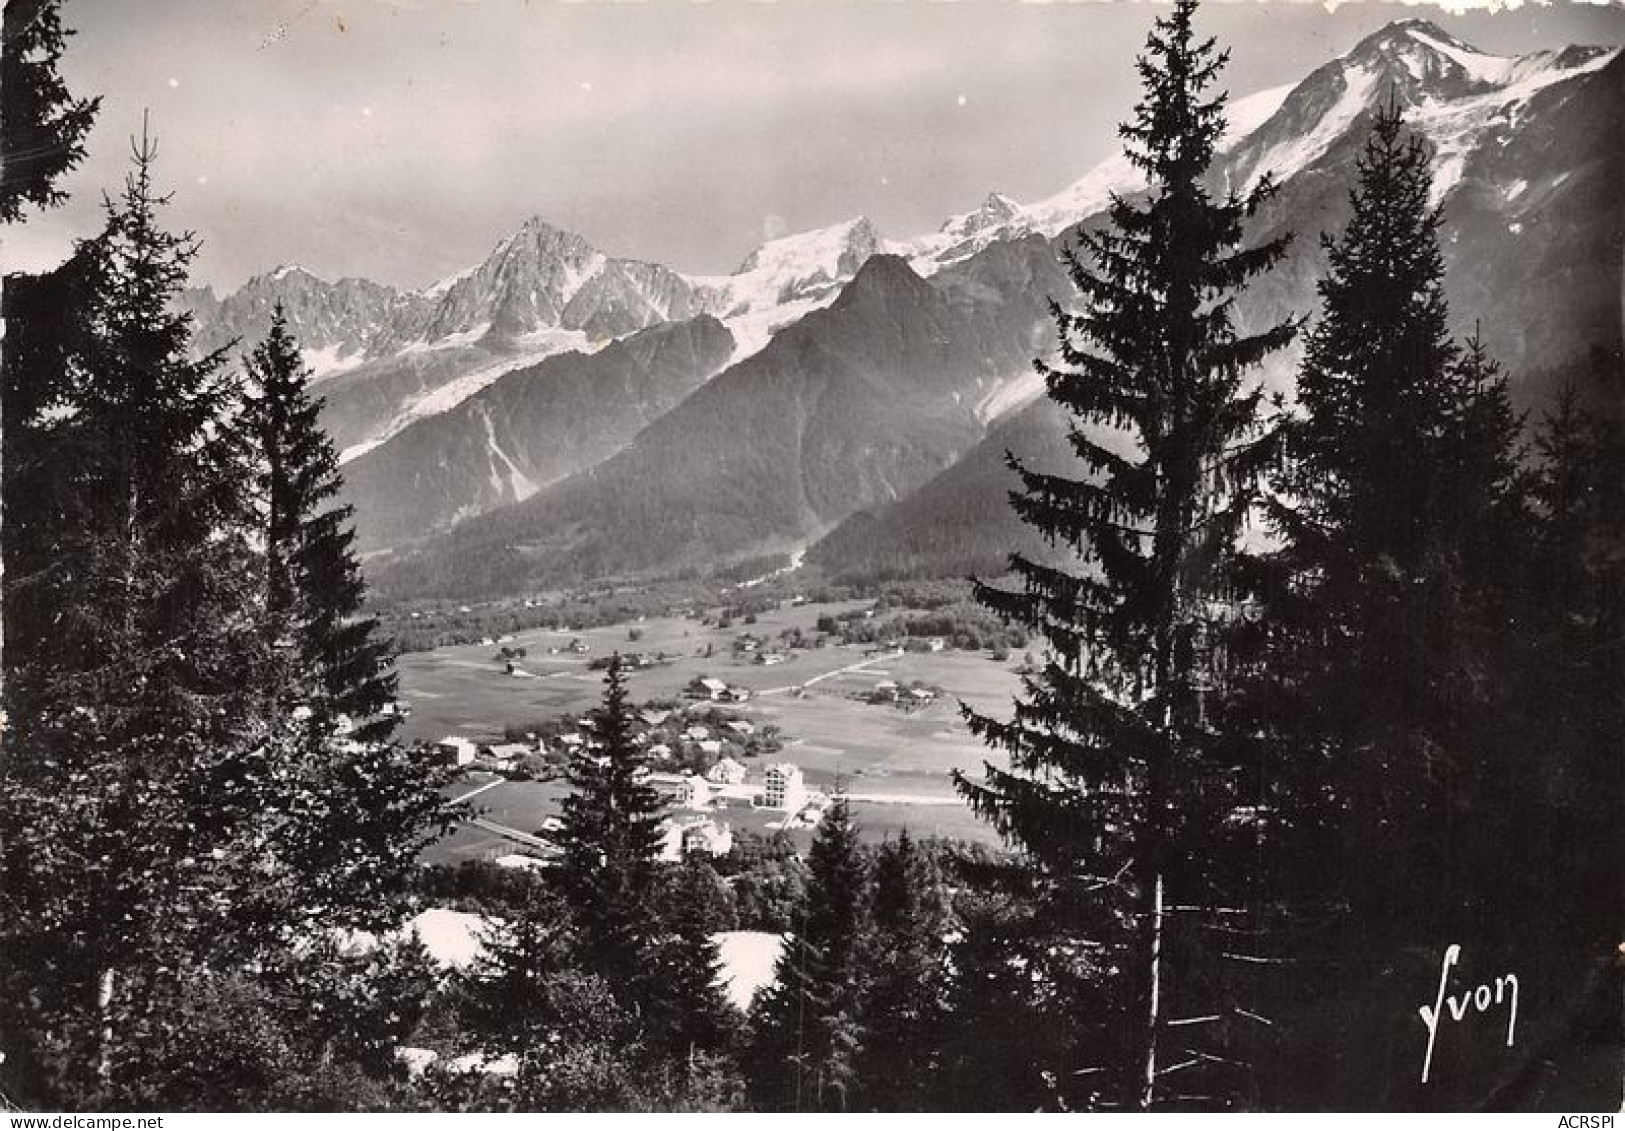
[1153,1017]
[104,1012]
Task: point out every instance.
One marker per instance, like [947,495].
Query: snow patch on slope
[1456,127]
[1287,158]
[534,347]
[1009,395]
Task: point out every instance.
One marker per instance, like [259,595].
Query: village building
[686,790]
[505,755]
[520,862]
[784,787]
[706,687]
[457,751]
[684,835]
[742,728]
[728,771]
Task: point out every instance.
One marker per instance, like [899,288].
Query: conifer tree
[806,1031]
[314,588]
[1573,683]
[609,846]
[1115,786]
[42,125]
[905,971]
[1396,502]
[133,666]
[688,1013]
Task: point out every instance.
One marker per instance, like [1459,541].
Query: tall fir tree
[1116,787]
[805,1026]
[132,664]
[609,846]
[313,583]
[687,1011]
[42,125]
[905,973]
[42,132]
[1396,503]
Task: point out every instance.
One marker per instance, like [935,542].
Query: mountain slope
[854,404]
[1530,167]
[960,522]
[527,430]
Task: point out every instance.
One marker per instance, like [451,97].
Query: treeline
[197,787]
[1276,793]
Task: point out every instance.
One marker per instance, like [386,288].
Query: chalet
[920,696]
[727,772]
[578,646]
[686,791]
[457,751]
[505,755]
[936,644]
[784,788]
[710,746]
[769,659]
[739,694]
[697,733]
[660,752]
[706,687]
[683,835]
[571,741]
[653,718]
[742,728]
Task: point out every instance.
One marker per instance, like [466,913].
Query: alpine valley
[554,415]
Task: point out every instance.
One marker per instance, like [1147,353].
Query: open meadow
[895,763]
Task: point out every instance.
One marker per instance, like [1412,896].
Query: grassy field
[831,733]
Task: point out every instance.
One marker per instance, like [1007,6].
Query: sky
[399,140]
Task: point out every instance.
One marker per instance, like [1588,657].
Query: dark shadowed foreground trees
[168,831]
[1117,786]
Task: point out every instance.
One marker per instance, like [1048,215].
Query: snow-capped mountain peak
[805,259]
[293,269]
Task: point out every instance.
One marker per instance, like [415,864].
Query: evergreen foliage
[609,846]
[687,1010]
[806,1026]
[905,971]
[1396,503]
[313,583]
[1117,787]
[132,664]
[42,125]
[169,835]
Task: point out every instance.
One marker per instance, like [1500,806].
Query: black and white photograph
[816,556]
